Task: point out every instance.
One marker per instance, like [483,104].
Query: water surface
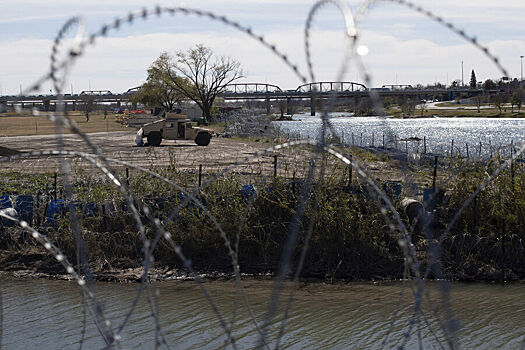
[495,134]
[47,314]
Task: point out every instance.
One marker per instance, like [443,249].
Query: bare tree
[208,75]
[88,106]
[498,102]
[478,102]
[457,97]
[423,106]
[282,107]
[408,107]
[516,100]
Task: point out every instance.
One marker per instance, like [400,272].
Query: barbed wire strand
[319,146]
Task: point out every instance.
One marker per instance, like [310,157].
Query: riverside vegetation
[350,239]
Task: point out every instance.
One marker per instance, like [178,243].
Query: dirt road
[183,155]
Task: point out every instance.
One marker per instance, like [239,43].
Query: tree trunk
[206,112]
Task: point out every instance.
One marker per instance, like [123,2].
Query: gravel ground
[185,154]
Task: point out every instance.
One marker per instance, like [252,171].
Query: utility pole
[521,66]
[462,75]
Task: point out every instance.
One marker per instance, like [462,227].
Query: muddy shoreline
[36,265]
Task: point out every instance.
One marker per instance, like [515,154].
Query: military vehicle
[174,126]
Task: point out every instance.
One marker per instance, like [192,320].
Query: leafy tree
[517,99]
[157,90]
[489,84]
[473,80]
[207,74]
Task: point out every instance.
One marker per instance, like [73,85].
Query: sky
[404,46]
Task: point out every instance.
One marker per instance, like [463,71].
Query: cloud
[401,42]
[118,63]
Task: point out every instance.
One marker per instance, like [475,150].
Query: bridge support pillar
[23,105]
[356,105]
[268,107]
[312,106]
[289,105]
[46,105]
[74,106]
[3,107]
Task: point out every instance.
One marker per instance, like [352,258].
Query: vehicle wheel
[154,138]
[203,139]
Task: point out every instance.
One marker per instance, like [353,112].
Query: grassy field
[473,113]
[461,113]
[23,125]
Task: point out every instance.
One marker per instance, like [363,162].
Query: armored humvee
[174,126]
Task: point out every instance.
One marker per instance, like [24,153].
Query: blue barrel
[55,210]
[91,210]
[248,191]
[124,206]
[25,208]
[6,202]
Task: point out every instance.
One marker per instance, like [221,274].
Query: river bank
[16,265]
[350,238]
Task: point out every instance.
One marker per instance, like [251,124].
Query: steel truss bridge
[254,91]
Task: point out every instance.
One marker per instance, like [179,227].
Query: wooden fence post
[200,175]
[275,166]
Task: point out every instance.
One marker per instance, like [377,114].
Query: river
[495,134]
[48,314]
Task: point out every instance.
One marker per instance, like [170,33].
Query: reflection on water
[491,132]
[48,315]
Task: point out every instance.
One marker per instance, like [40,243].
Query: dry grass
[473,113]
[23,125]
